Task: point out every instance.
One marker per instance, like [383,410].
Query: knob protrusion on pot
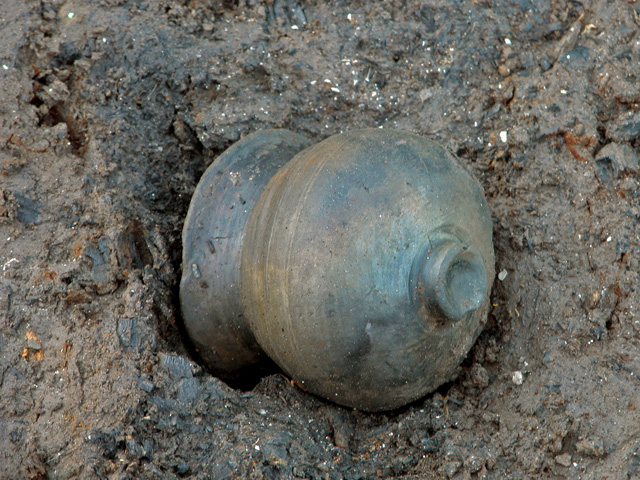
[451,279]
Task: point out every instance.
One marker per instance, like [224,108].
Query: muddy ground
[112,109]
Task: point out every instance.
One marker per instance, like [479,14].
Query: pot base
[212,243]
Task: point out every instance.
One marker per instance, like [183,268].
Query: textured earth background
[112,109]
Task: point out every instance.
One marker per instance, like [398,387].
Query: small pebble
[502,275]
[479,376]
[517,377]
[545,64]
[504,70]
[564,460]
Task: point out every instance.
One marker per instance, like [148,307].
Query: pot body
[364,269]
[330,259]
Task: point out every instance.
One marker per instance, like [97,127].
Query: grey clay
[361,265]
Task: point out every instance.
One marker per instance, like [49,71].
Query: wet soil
[112,109]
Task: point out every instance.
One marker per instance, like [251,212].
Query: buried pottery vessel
[361,265]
